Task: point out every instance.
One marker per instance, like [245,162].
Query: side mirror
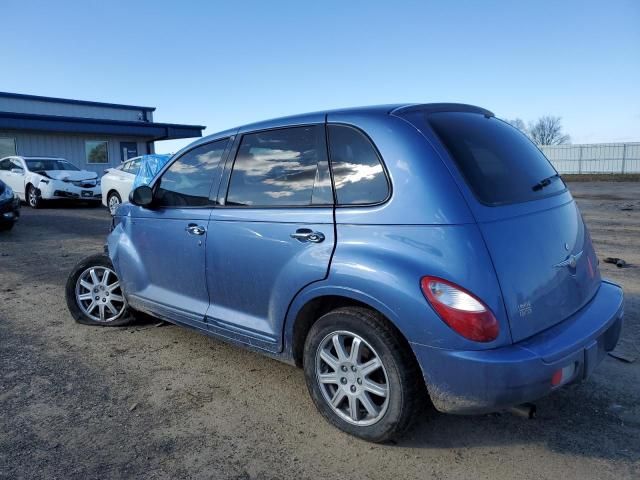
[141,196]
[19,171]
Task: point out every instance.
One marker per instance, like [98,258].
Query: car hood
[70,175]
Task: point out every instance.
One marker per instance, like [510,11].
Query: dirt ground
[81,402]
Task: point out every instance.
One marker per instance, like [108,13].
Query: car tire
[5,227]
[378,418]
[113,202]
[90,295]
[33,197]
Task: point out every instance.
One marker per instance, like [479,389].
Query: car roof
[302,118]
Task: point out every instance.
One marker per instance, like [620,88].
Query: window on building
[357,170]
[7,146]
[187,182]
[96,151]
[280,168]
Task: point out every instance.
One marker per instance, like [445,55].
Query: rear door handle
[195,229]
[308,235]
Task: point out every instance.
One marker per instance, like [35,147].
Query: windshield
[40,164]
[498,162]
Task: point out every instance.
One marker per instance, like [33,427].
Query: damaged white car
[37,179]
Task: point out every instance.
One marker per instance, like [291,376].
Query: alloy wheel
[99,295]
[114,203]
[33,197]
[352,378]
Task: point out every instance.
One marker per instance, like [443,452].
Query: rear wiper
[544,182]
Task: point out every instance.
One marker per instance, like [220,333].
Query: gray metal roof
[40,98]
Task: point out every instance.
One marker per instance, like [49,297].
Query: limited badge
[525,309]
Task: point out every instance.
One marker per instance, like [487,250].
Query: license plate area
[86,193]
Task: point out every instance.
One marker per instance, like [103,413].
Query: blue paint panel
[255,268]
[382,267]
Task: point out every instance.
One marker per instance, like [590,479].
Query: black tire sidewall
[381,339]
[70,293]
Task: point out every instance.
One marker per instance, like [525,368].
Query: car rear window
[499,163]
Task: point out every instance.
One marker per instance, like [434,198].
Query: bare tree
[548,131]
[519,124]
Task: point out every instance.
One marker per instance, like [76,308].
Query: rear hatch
[540,247]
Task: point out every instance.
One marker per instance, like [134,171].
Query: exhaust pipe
[526,410]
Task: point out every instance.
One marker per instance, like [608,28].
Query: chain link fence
[612,158]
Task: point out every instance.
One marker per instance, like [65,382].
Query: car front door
[272,233]
[163,268]
[12,172]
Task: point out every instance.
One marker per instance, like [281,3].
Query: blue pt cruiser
[396,253]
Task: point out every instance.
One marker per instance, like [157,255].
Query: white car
[117,183]
[35,179]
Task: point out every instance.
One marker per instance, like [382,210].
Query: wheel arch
[113,190]
[308,307]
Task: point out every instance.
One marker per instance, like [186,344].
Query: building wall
[70,147]
[39,107]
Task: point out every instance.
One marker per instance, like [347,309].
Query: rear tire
[94,295]
[113,202]
[386,398]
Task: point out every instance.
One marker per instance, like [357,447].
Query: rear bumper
[489,380]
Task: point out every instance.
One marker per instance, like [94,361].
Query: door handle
[308,235]
[194,229]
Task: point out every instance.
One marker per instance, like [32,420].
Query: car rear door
[273,232]
[162,265]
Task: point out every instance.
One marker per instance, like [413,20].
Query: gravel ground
[148,402]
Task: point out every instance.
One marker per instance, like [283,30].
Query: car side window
[134,166]
[281,168]
[5,164]
[187,182]
[358,175]
[12,163]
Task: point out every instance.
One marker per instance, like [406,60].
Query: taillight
[462,311]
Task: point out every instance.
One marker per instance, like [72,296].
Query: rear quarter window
[499,163]
[358,174]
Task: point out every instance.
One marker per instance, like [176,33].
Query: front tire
[361,376]
[113,202]
[94,295]
[33,197]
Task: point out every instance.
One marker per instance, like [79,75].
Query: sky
[224,64]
